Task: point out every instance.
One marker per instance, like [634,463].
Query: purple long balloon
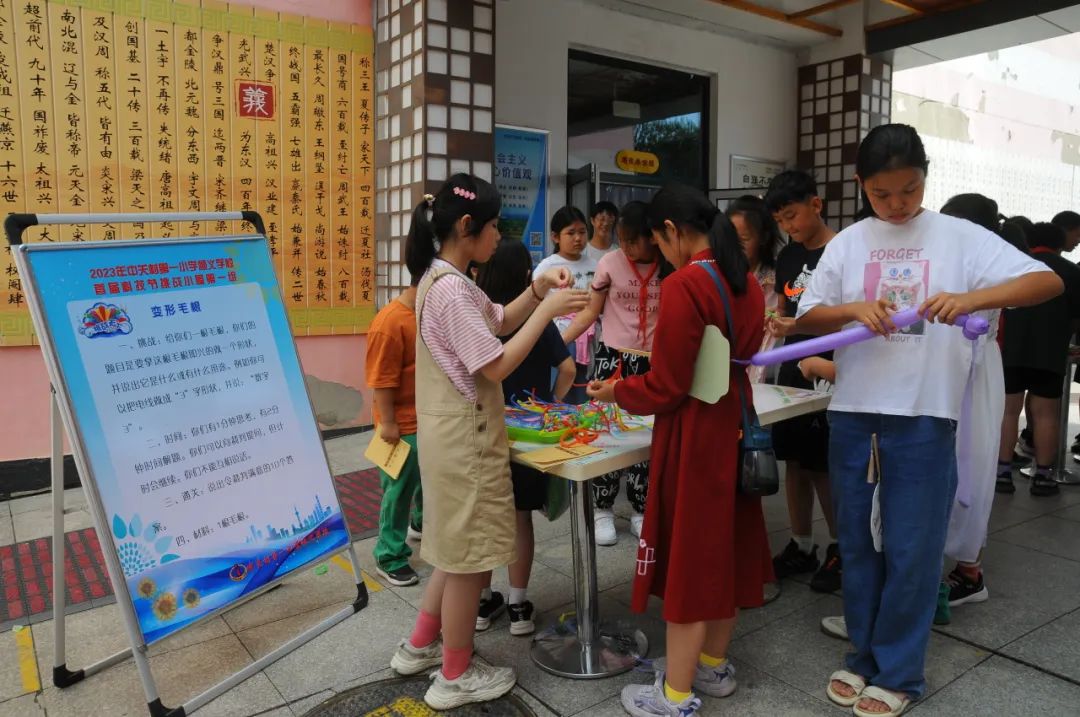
[974,327]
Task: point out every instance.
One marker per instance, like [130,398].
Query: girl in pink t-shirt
[626,297]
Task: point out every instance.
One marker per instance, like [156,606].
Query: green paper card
[712,370]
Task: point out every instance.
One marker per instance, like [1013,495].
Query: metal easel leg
[62,676]
[361,601]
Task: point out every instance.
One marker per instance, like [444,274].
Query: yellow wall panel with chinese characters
[194,105]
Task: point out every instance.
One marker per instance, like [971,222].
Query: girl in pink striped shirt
[469,518]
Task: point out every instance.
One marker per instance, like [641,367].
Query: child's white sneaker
[716,681]
[636,521]
[479,683]
[650,701]
[409,660]
[604,524]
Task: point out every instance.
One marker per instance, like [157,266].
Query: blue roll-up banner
[179,372]
[521,176]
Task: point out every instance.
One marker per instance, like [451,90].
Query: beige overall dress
[469,519]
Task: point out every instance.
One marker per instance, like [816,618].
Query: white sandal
[896,704]
[855,682]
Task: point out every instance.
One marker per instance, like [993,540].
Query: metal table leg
[1062,472]
[585,648]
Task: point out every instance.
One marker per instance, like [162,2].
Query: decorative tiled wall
[435,88]
[839,101]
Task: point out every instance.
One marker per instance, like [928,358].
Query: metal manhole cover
[404,697]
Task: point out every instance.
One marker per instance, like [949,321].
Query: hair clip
[464,193]
[430,199]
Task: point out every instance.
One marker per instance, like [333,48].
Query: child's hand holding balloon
[875,315]
[945,307]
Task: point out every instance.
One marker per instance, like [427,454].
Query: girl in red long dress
[703,549]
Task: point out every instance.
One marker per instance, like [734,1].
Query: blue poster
[521,168]
[177,365]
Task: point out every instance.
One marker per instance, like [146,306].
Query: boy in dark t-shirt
[1035,353]
[802,442]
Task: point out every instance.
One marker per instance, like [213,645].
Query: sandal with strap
[855,682]
[896,703]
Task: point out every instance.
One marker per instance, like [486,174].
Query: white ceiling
[997,37]
[708,16]
[712,17]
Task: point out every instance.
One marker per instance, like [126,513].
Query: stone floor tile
[795,650]
[346,453]
[301,707]
[298,594]
[360,645]
[28,705]
[1002,687]
[33,524]
[1053,647]
[560,694]
[1027,590]
[254,696]
[1047,534]
[11,668]
[180,675]
[93,635]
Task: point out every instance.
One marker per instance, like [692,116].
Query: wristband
[532,287]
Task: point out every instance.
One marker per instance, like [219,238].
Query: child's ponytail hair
[687,207]
[435,218]
[976,208]
[760,219]
[885,148]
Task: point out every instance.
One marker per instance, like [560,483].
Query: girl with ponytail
[469,523]
[703,548]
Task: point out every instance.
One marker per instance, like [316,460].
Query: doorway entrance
[631,128]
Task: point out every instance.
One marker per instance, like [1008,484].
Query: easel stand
[61,422]
[63,677]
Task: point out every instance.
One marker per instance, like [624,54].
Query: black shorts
[608,360]
[530,487]
[1037,382]
[803,439]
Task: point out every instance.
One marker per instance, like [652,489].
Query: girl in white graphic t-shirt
[896,402]
[570,235]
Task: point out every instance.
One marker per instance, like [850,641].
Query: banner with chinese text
[194,105]
[175,363]
[521,166]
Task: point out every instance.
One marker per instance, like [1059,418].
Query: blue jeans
[890,597]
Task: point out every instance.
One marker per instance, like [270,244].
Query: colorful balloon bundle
[536,421]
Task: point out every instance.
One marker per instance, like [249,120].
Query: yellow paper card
[390,458]
[712,371]
[553,455]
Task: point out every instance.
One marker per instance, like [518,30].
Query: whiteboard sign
[748,172]
[181,387]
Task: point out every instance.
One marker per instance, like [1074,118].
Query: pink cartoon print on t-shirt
[902,283]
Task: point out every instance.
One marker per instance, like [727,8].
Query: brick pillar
[839,101]
[435,88]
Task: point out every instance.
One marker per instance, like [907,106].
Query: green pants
[399,495]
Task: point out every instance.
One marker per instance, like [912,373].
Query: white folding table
[590,649]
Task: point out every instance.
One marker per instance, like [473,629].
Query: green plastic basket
[533,435]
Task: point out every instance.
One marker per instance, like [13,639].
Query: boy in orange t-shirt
[391,372]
